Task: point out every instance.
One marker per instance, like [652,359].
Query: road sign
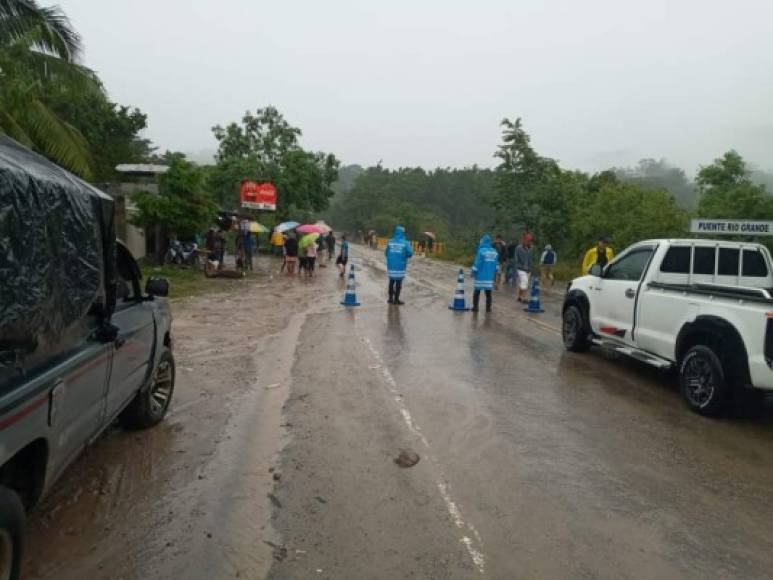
[732,227]
[258,195]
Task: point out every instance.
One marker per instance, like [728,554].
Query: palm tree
[20,19]
[39,49]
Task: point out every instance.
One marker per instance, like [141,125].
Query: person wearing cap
[600,254]
[523,265]
[547,261]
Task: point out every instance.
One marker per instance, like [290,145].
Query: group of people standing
[517,265]
[305,255]
[514,260]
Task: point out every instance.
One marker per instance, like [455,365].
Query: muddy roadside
[188,498]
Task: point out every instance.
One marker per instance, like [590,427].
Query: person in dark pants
[331,246]
[291,254]
[343,257]
[484,270]
[510,261]
[501,247]
[220,244]
[398,251]
[247,247]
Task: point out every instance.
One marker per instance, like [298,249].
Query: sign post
[261,196]
[732,227]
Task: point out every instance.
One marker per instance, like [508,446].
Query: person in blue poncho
[484,270]
[398,250]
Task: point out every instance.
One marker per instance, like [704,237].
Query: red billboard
[258,195]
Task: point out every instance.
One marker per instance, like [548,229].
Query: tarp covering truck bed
[57,248]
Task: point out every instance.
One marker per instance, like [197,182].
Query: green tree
[727,191]
[38,50]
[265,147]
[449,202]
[21,20]
[530,190]
[111,130]
[182,207]
[626,212]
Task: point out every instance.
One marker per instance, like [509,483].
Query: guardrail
[438,248]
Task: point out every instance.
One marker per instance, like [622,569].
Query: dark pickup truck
[81,343]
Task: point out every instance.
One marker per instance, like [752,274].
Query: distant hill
[660,174]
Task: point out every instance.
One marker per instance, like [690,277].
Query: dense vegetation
[529,192]
[183,206]
[54,105]
[445,201]
[265,147]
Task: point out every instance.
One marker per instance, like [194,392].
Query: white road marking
[474,547]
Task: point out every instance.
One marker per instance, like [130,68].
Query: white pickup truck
[701,306]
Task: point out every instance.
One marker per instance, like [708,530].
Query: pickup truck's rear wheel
[150,405]
[11,534]
[703,381]
[574,330]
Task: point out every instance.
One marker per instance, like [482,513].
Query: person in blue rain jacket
[398,250]
[484,271]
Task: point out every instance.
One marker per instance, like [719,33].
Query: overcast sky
[426,82]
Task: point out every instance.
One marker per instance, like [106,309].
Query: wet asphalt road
[278,457]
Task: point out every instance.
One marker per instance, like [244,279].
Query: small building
[134,178]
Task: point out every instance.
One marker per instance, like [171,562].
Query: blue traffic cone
[350,298]
[458,303]
[534,304]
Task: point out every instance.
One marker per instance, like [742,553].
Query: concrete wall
[133,237]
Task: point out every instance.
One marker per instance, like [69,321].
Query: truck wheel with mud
[150,405]
[703,381]
[574,330]
[12,520]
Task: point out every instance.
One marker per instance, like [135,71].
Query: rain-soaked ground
[278,457]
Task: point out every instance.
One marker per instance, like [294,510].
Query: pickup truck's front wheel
[11,534]
[702,381]
[150,405]
[574,330]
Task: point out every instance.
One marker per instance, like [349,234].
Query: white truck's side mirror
[596,270]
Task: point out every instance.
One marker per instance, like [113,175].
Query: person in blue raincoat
[398,250]
[484,271]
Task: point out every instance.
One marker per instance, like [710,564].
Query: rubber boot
[475,300]
[488,300]
[398,289]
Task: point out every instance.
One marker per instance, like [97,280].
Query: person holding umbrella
[398,251]
[291,254]
[308,246]
[311,254]
[321,251]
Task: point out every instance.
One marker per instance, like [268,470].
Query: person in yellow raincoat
[599,254]
[277,242]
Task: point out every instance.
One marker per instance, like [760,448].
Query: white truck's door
[613,301]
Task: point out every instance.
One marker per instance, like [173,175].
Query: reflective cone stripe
[534,302]
[458,303]
[350,297]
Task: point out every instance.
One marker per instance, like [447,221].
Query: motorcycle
[182,254]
